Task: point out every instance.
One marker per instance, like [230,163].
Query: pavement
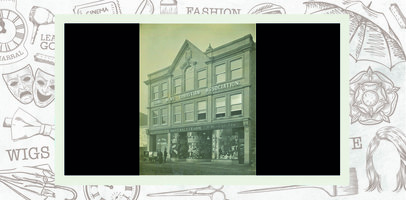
[194,168]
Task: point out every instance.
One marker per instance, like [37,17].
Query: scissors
[209,191]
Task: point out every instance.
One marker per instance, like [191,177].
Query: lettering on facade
[197,92]
[207,127]
[199,128]
[223,86]
[189,94]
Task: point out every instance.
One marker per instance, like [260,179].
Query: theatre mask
[44,88]
[20,84]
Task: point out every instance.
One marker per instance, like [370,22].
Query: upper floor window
[220,73]
[201,110]
[202,79]
[164,92]
[220,107]
[176,114]
[189,78]
[164,116]
[177,85]
[155,117]
[236,69]
[155,92]
[236,104]
[189,112]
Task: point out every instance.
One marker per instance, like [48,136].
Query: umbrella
[35,183]
[371,37]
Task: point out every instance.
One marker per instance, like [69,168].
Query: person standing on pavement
[160,157]
[165,154]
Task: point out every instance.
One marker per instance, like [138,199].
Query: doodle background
[8,104]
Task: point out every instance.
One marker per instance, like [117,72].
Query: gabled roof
[167,71]
[185,45]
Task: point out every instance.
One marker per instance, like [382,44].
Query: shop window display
[199,145]
[179,146]
[226,143]
[161,142]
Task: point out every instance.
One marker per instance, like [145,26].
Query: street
[194,168]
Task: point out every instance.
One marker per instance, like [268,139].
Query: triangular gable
[181,59]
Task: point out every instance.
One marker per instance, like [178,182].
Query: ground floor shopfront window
[161,142]
[228,144]
[220,144]
[199,145]
[179,146]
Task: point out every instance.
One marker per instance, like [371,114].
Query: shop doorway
[240,133]
[199,145]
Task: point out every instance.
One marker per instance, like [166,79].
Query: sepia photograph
[197,99]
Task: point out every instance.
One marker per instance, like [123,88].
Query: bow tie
[23,126]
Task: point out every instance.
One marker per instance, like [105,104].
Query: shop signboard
[198,128]
[207,127]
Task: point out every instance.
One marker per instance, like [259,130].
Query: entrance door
[240,145]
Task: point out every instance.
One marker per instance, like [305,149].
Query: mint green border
[343,179]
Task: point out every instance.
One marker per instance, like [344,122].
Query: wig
[398,139]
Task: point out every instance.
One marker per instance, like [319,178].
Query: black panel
[101,99]
[298,99]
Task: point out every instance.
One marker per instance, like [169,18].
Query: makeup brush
[332,191]
[169,7]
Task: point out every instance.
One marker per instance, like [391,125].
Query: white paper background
[8,104]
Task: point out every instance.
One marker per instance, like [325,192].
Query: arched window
[189,79]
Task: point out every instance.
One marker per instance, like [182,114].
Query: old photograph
[197,99]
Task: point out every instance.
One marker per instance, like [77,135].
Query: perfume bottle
[169,7]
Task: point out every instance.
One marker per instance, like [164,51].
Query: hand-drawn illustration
[98,7]
[111,192]
[145,7]
[169,7]
[212,11]
[42,58]
[398,139]
[23,125]
[371,37]
[13,33]
[20,83]
[356,142]
[267,8]
[209,191]
[35,183]
[43,88]
[373,97]
[25,88]
[40,16]
[47,41]
[397,13]
[332,191]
